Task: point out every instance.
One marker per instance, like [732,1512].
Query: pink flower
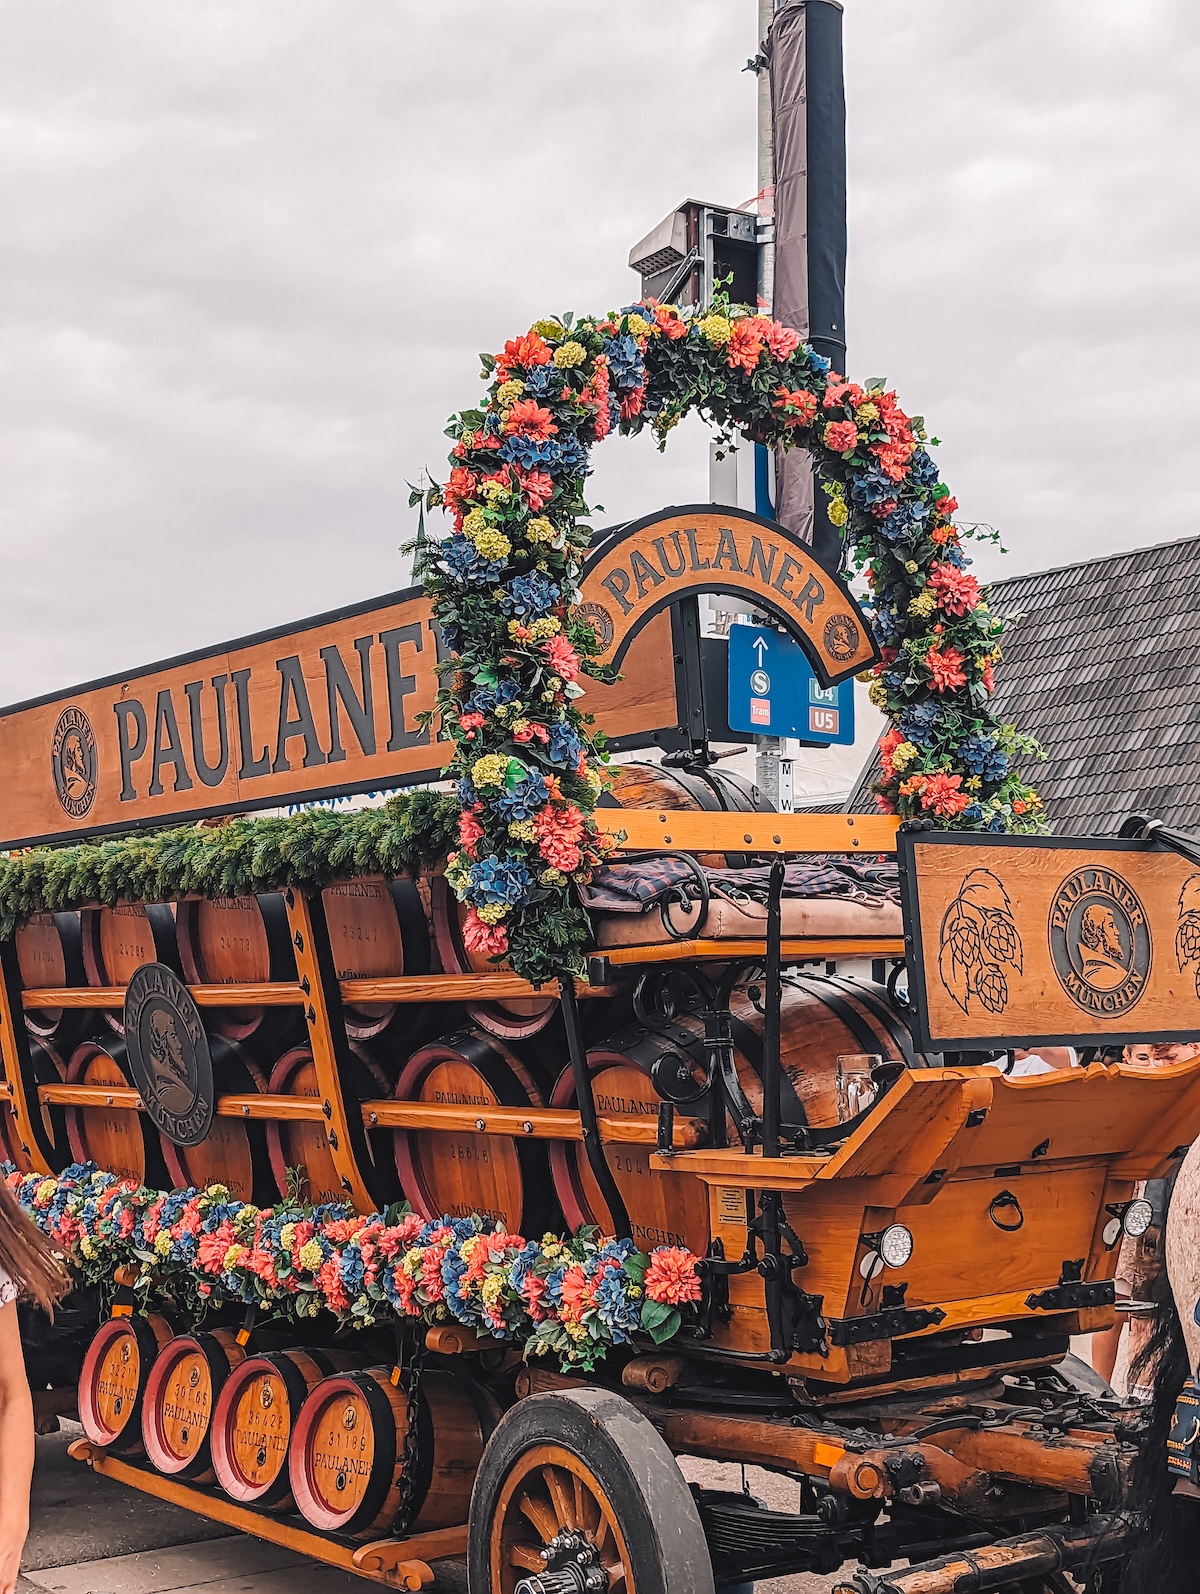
[471,723]
[563,658]
[491,939]
[941,795]
[887,746]
[841,437]
[528,419]
[631,402]
[431,1273]
[671,1277]
[537,488]
[957,592]
[744,346]
[469,829]
[210,1252]
[670,323]
[782,341]
[530,731]
[329,1282]
[798,405]
[946,668]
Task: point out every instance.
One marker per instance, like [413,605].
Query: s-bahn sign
[330,706]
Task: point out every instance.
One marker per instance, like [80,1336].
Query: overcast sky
[249,252]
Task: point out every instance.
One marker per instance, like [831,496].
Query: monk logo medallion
[73,761]
[1099,941]
[601,622]
[841,637]
[168,1054]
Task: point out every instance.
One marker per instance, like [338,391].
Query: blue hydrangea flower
[352,1269]
[499,880]
[614,1308]
[922,471]
[872,487]
[543,380]
[564,746]
[485,698]
[980,756]
[531,596]
[466,793]
[560,456]
[462,561]
[625,367]
[906,520]
[527,798]
[972,813]
[918,722]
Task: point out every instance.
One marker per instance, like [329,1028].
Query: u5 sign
[773,691]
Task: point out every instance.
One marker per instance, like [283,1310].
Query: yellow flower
[286,1235]
[45,1192]
[911,566]
[492,544]
[162,1243]
[492,1289]
[87,1245]
[540,530]
[508,392]
[514,627]
[639,326]
[523,830]
[494,492]
[233,1256]
[715,329]
[923,605]
[547,626]
[474,521]
[311,1256]
[973,783]
[552,877]
[519,725]
[490,770]
[569,355]
[878,694]
[547,329]
[903,755]
[492,912]
[412,1262]
[577,1331]
[867,412]
[837,511]
[469,1247]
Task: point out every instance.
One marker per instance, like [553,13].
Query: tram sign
[773,691]
[1021,940]
[332,705]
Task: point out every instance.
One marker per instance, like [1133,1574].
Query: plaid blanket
[637,887]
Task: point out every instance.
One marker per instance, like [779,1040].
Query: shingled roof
[1104,669]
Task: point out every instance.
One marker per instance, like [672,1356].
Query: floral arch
[505,584]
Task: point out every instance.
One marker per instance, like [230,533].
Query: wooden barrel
[254,1417]
[234,1152]
[294,1143]
[117,941]
[346,1461]
[177,1406]
[706,787]
[820,1021]
[379,928]
[120,1140]
[49,954]
[112,1382]
[663,1208]
[513,1018]
[238,941]
[49,1068]
[459,1172]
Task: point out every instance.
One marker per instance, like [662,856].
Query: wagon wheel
[577,1492]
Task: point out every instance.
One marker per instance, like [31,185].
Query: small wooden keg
[120,1140]
[234,1152]
[346,1461]
[460,1172]
[180,1395]
[379,928]
[295,1143]
[511,1018]
[255,1414]
[238,941]
[112,1382]
[50,954]
[118,940]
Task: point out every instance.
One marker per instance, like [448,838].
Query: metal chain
[411,1366]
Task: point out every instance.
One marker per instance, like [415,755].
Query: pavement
[90,1535]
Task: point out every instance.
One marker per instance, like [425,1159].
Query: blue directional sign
[773,691]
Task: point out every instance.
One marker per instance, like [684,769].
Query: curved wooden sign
[328,707]
[649,564]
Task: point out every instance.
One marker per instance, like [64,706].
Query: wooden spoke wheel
[578,1494]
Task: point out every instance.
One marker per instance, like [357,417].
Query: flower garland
[504,585]
[572,1298]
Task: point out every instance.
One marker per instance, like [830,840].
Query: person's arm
[16,1449]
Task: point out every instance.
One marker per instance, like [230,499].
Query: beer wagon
[894,1241]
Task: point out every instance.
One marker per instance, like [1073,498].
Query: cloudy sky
[249,252]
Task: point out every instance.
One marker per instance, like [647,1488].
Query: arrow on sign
[760,647]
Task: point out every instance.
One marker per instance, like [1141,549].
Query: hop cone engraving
[992,989]
[1000,938]
[964,942]
[1187,940]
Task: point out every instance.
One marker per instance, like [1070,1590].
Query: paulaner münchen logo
[1099,941]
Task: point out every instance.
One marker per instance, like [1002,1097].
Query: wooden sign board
[329,706]
[1017,940]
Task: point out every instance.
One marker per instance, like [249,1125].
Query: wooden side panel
[1021,940]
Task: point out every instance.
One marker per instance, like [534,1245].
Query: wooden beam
[398,1563]
[393,988]
[17,1065]
[795,950]
[695,831]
